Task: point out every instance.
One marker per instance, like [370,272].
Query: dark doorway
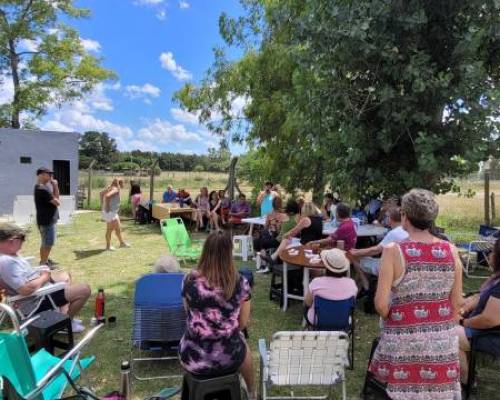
[61,173]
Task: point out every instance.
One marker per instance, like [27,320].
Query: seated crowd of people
[426,324]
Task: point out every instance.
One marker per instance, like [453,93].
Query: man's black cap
[43,170]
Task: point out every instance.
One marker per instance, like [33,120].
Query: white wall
[43,147]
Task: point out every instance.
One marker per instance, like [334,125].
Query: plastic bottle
[125,387]
[99,305]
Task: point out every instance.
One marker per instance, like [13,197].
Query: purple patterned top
[212,343]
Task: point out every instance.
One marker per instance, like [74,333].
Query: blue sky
[154,46]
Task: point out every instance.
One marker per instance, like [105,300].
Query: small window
[25,160]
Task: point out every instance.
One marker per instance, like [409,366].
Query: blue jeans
[48,235]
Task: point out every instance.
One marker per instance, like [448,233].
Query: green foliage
[98,146]
[198,168]
[125,166]
[369,96]
[54,68]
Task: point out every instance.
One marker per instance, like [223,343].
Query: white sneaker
[264,270]
[125,245]
[76,326]
[110,248]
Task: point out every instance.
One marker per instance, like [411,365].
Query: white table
[254,221]
[368,230]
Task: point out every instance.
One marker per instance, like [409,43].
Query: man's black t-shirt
[46,212]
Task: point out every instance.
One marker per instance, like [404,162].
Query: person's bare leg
[77,295]
[62,276]
[109,231]
[464,348]
[360,274]
[215,220]
[44,254]
[246,370]
[118,230]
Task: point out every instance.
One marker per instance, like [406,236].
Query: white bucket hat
[335,260]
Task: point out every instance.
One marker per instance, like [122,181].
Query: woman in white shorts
[110,200]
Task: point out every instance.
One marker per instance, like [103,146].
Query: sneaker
[264,270]
[125,245]
[51,262]
[110,248]
[76,326]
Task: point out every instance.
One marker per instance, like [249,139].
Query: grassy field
[80,251]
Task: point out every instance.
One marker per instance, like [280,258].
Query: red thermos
[99,305]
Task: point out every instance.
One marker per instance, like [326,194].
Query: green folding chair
[40,376]
[178,241]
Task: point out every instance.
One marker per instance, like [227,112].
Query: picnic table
[166,210]
[368,230]
[254,221]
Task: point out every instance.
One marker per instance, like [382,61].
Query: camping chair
[476,355]
[40,376]
[303,358]
[336,315]
[159,318]
[178,240]
[482,246]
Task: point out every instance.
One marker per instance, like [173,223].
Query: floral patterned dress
[417,355]
[212,344]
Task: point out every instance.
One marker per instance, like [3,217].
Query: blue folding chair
[159,318]
[336,315]
[482,246]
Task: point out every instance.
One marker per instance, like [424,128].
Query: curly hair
[420,207]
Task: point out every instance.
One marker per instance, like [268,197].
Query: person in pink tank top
[419,294]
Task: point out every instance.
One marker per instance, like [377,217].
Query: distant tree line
[102,148]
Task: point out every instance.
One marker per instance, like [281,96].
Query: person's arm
[302,224]
[385,280]
[260,196]
[55,202]
[368,252]
[35,284]
[489,318]
[244,316]
[216,207]
[456,298]
[55,188]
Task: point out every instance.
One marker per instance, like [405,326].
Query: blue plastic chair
[159,317]
[336,315]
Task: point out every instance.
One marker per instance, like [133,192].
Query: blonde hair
[216,263]
[309,209]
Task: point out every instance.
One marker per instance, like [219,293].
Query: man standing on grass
[46,203]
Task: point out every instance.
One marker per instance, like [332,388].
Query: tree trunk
[14,67]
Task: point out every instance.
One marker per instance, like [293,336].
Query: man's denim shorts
[48,234]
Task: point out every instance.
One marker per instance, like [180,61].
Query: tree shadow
[82,254]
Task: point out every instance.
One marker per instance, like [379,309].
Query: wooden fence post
[89,191]
[493,211]
[487,219]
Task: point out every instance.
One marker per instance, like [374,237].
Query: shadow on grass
[82,254]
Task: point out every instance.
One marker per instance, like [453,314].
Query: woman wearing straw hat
[335,285]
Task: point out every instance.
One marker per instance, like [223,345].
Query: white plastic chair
[303,358]
[242,246]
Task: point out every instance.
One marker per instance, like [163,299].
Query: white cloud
[184,4]
[164,132]
[161,15]
[74,120]
[145,92]
[90,45]
[184,116]
[6,89]
[168,62]
[141,145]
[29,45]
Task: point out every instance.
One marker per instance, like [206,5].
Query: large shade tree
[370,96]
[43,58]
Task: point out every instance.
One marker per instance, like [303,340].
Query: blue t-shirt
[169,197]
[267,205]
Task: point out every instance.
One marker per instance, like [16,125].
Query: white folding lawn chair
[303,358]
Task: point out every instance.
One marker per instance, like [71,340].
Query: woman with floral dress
[419,296]
[217,301]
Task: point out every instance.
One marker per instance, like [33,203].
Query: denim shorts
[48,234]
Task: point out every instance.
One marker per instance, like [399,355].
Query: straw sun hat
[335,260]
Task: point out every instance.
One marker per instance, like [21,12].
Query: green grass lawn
[79,250]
